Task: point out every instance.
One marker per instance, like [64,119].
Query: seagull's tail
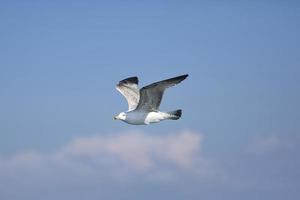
[174,115]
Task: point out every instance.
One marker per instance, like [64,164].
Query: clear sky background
[238,137]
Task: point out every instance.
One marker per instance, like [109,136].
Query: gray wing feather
[129,89]
[151,95]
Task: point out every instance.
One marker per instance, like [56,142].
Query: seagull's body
[140,117]
[143,104]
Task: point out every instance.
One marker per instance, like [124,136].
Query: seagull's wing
[151,95]
[129,89]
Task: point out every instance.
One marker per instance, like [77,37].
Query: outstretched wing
[151,95]
[129,89]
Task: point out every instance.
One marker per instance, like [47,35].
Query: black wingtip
[179,78]
[130,80]
[184,76]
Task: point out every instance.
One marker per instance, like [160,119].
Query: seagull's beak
[115,118]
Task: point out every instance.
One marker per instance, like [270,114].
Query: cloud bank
[131,158]
[137,165]
[136,150]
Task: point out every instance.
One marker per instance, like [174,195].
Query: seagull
[143,104]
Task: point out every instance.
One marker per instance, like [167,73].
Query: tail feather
[176,114]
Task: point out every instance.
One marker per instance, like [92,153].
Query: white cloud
[115,156]
[138,150]
[108,149]
[102,160]
[92,167]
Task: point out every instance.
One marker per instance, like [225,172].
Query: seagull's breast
[136,117]
[142,118]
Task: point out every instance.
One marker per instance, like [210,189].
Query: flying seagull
[143,104]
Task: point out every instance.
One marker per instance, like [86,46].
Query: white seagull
[143,104]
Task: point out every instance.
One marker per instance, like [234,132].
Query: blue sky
[60,62]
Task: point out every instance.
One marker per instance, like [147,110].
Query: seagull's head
[121,116]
